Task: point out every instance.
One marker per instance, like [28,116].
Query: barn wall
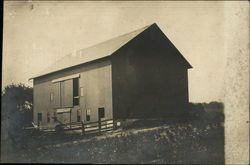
[95,79]
[41,99]
[97,89]
[149,80]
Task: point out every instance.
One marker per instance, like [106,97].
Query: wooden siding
[97,91]
[95,79]
[148,79]
[42,101]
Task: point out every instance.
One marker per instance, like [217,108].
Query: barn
[140,74]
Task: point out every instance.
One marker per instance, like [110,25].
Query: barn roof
[92,53]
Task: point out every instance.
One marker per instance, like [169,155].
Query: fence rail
[90,127]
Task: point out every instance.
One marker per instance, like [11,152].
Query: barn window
[76,91]
[39,118]
[48,117]
[101,112]
[88,115]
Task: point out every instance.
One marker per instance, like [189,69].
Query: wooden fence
[90,127]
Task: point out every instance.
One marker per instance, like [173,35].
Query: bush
[17,111]
[208,112]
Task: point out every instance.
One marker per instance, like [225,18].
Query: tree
[17,107]
[16,113]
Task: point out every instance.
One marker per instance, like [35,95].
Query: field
[142,141]
[198,139]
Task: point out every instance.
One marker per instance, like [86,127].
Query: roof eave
[92,61]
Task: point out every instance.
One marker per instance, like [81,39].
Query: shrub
[16,110]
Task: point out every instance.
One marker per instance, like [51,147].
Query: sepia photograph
[125,82]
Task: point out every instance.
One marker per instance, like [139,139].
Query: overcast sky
[38,33]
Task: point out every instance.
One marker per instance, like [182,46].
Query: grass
[139,142]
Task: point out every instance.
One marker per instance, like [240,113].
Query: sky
[36,34]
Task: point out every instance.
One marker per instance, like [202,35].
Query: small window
[48,117]
[39,118]
[78,116]
[101,112]
[88,115]
[76,91]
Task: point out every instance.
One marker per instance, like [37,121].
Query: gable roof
[98,51]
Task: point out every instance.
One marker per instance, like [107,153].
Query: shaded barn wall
[149,80]
[95,81]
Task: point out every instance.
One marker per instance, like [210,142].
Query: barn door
[67,93]
[56,102]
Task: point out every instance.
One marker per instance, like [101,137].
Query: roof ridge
[144,27]
[74,52]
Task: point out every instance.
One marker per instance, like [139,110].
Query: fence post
[70,118]
[114,125]
[99,124]
[83,129]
